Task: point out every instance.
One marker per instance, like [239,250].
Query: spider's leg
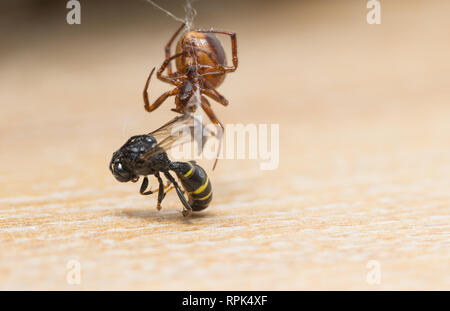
[169,45]
[159,101]
[233,47]
[196,49]
[212,93]
[145,95]
[171,78]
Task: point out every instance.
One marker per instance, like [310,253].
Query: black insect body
[128,164]
[142,155]
[196,182]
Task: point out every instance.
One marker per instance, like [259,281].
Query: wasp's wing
[178,131]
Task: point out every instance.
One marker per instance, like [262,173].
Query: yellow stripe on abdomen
[202,187]
[189,173]
[205,197]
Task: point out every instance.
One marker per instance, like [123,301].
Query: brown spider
[201,67]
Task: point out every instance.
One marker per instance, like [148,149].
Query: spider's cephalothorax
[183,100]
[201,67]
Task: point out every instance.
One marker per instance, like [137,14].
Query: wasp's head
[121,167]
[128,163]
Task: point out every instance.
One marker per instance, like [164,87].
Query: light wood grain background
[364,152]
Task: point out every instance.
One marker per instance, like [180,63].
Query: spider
[200,69]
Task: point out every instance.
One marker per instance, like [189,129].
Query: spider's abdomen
[210,52]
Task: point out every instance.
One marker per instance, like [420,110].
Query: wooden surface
[364,158]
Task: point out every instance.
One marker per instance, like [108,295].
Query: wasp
[200,69]
[144,155]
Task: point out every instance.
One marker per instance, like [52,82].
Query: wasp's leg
[168,184]
[144,186]
[220,129]
[188,208]
[161,193]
